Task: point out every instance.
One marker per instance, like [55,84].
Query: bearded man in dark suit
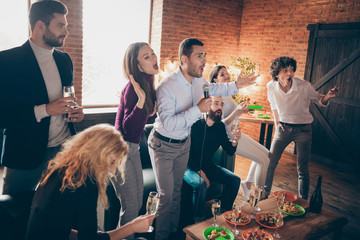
[32,106]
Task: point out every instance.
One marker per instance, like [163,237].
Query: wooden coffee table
[308,226]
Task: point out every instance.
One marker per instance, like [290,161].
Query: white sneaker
[246,190]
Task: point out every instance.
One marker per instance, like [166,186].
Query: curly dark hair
[280,63]
[214,73]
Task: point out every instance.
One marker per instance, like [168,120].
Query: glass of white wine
[280,199]
[258,193]
[235,217]
[253,201]
[234,129]
[215,209]
[152,205]
[279,219]
[68,91]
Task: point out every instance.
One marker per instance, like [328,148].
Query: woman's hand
[242,82]
[142,223]
[334,92]
[236,137]
[242,108]
[203,175]
[139,92]
[280,126]
[155,109]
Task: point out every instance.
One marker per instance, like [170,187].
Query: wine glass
[235,217]
[235,128]
[152,205]
[253,201]
[68,91]
[258,193]
[280,199]
[278,220]
[215,209]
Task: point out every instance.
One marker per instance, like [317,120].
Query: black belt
[169,140]
[295,125]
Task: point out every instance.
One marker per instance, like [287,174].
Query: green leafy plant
[244,65]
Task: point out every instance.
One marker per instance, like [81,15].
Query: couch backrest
[144,151]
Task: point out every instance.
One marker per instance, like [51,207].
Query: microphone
[206,90]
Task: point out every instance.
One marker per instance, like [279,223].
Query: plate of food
[256,234]
[245,219]
[218,233]
[292,209]
[289,196]
[266,219]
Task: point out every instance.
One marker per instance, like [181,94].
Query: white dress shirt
[177,101]
[293,106]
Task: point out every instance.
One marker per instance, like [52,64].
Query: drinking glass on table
[253,201]
[68,91]
[235,218]
[152,205]
[278,220]
[258,193]
[280,199]
[215,209]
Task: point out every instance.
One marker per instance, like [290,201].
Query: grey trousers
[130,192]
[169,161]
[18,180]
[301,135]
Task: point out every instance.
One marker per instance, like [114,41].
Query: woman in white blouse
[247,147]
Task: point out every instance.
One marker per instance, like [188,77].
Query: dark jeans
[301,135]
[217,174]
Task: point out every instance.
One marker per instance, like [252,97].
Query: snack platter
[292,209]
[218,233]
[244,220]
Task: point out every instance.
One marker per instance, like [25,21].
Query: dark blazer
[22,87]
[55,213]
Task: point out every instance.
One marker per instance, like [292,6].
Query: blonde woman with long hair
[66,199]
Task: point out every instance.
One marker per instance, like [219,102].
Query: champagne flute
[258,193]
[152,205]
[235,128]
[68,91]
[278,218]
[235,217]
[253,201]
[215,209]
[280,199]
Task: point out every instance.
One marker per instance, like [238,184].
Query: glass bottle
[316,199]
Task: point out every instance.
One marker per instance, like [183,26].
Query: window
[108,30]
[14,29]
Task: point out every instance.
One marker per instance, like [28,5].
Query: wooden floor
[340,190]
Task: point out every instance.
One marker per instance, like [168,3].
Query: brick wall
[73,44]
[270,29]
[215,23]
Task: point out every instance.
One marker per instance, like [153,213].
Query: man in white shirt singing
[179,106]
